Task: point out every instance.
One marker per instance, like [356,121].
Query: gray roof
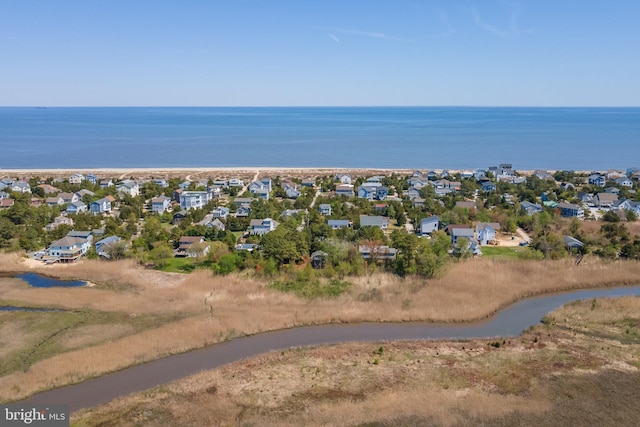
[375,221]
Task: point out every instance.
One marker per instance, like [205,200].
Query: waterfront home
[325,209]
[221,183]
[92,178]
[161,182]
[100,206]
[67,249]
[291,192]
[160,204]
[76,207]
[374,221]
[261,188]
[184,185]
[530,208]
[570,210]
[103,244]
[337,224]
[377,252]
[262,226]
[236,182]
[572,242]
[628,205]
[194,199]
[429,225]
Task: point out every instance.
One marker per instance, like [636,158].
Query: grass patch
[178,265]
[515,252]
[313,288]
[28,337]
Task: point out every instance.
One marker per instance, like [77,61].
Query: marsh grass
[547,375]
[214,308]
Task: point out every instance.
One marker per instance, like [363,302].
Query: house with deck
[570,210]
[259,227]
[76,207]
[194,199]
[160,204]
[324,209]
[100,206]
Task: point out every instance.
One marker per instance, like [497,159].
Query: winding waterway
[510,321]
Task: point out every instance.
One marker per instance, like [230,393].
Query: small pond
[12,308]
[39,281]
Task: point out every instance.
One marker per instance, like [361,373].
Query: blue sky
[319,52]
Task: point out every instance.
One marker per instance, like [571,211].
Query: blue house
[100,206]
[569,210]
[429,225]
[488,187]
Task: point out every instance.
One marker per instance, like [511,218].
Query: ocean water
[367,137]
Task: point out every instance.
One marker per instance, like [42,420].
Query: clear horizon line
[43,106]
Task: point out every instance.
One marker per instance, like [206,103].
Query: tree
[116,250]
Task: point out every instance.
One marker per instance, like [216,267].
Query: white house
[429,225]
[262,226]
[160,204]
[76,178]
[100,206]
[194,199]
[129,187]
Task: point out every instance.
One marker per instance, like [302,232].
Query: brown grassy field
[580,368]
[212,309]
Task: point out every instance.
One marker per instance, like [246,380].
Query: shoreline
[173,171]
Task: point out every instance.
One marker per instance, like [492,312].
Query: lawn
[178,265]
[517,252]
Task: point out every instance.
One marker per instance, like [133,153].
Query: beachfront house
[67,249]
[76,178]
[597,180]
[106,183]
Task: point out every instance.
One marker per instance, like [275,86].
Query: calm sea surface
[376,137]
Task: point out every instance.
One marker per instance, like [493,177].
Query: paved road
[511,321]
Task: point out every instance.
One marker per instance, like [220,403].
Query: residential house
[261,188]
[106,183]
[461,232]
[325,209]
[236,182]
[412,193]
[49,189]
[337,224]
[262,226]
[191,247]
[69,197]
[597,179]
[419,202]
[20,187]
[100,206]
[623,181]
[377,252]
[194,199]
[4,195]
[249,247]
[243,211]
[291,212]
[221,183]
[486,232]
[488,187]
[309,182]
[216,223]
[184,185]
[220,212]
[344,179]
[572,242]
[374,221]
[429,225]
[628,205]
[68,249]
[76,178]
[505,169]
[76,207]
[345,190]
[605,200]
[291,192]
[54,201]
[178,217]
[241,201]
[57,222]
[160,204]
[530,208]
[569,210]
[100,245]
[92,178]
[85,192]
[432,176]
[6,203]
[161,182]
[543,175]
[585,198]
[129,187]
[567,186]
